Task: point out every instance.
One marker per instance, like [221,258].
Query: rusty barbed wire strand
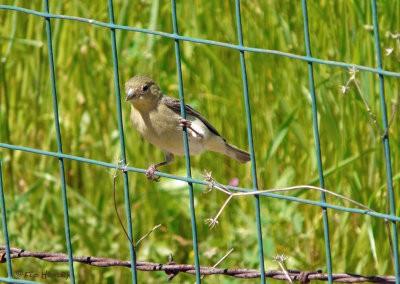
[172,268]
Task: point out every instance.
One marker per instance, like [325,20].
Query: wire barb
[174,268]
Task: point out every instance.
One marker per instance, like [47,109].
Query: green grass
[352,152]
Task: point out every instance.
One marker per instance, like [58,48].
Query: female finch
[156,117]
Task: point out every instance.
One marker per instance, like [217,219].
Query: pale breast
[161,128]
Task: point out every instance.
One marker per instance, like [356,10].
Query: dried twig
[151,231]
[353,71]
[394,110]
[118,171]
[281,260]
[383,134]
[221,260]
[213,184]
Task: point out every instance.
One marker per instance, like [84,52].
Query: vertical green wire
[59,145]
[186,145]
[250,136]
[121,135]
[317,142]
[4,223]
[386,146]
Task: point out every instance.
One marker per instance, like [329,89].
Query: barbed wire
[172,269]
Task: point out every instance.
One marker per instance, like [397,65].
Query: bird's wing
[175,105]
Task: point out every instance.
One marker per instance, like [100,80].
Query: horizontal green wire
[137,170]
[204,41]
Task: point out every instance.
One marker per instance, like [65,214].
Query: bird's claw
[150,173]
[183,122]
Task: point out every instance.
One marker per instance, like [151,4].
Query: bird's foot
[183,122]
[150,173]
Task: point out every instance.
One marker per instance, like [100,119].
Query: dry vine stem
[281,259]
[383,133]
[353,71]
[118,171]
[215,265]
[213,184]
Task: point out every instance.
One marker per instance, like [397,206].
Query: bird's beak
[130,94]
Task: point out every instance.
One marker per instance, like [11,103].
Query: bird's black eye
[145,88]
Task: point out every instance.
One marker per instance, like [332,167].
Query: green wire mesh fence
[242,50]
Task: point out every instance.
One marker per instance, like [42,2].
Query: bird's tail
[218,144]
[237,154]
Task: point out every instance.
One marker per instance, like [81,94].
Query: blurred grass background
[352,152]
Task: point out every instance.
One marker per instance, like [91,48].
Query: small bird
[157,118]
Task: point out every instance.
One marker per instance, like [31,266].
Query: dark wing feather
[175,105]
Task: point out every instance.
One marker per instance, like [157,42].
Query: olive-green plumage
[156,117]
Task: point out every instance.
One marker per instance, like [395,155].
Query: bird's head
[141,88]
